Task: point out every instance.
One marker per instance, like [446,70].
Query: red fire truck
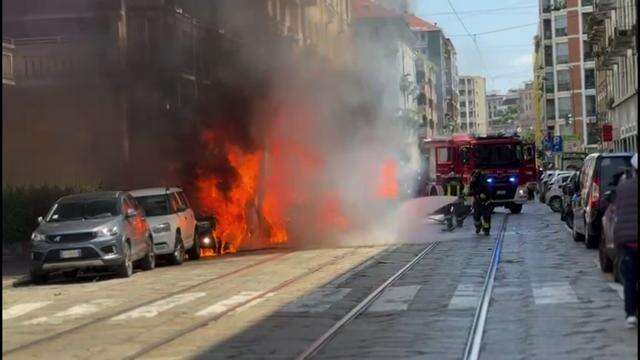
[507,162]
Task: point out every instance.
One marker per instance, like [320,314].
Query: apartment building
[612,32]
[569,73]
[426,74]
[473,105]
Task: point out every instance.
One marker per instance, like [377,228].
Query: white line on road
[74,312]
[618,288]
[466,296]
[395,299]
[226,304]
[21,309]
[157,307]
[251,303]
[318,301]
[554,293]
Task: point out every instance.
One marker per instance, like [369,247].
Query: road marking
[466,296]
[395,299]
[157,307]
[21,309]
[226,304]
[318,301]
[74,312]
[618,288]
[252,303]
[554,293]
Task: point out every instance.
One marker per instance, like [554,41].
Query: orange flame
[388,183]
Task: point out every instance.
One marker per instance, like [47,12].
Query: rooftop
[367,9]
[417,24]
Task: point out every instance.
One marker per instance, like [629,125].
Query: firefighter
[453,187]
[481,202]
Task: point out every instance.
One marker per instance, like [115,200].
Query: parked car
[172,222]
[545,182]
[596,178]
[607,252]
[543,179]
[93,230]
[554,194]
[568,193]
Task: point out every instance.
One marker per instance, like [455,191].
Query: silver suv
[93,230]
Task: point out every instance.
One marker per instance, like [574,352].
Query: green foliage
[509,116]
[21,206]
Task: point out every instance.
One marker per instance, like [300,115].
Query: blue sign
[546,143]
[557,144]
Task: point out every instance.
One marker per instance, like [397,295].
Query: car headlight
[37,237]
[108,231]
[521,192]
[164,227]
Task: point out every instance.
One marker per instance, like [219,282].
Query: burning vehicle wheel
[126,268]
[177,257]
[194,252]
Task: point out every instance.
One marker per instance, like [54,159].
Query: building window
[590,102]
[564,80]
[561,25]
[564,107]
[589,78]
[550,109]
[587,2]
[548,55]
[546,28]
[546,6]
[587,51]
[562,53]
[585,21]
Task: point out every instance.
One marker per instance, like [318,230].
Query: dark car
[596,177]
[607,253]
[568,192]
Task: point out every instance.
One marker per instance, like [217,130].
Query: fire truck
[507,162]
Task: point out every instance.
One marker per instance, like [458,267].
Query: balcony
[621,41]
[605,5]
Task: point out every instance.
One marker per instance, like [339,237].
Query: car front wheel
[148,262]
[126,268]
[38,277]
[555,203]
[177,257]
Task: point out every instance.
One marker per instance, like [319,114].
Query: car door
[139,228]
[188,215]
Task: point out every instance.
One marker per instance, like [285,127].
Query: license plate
[501,192]
[66,254]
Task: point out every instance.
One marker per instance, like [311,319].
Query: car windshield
[509,155]
[83,210]
[609,167]
[154,205]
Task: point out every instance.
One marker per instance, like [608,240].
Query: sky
[504,58]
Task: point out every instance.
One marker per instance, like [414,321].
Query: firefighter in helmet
[478,188]
[453,187]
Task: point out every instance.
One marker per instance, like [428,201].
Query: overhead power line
[473,38]
[496,30]
[484,11]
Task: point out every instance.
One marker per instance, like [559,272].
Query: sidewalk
[15,268]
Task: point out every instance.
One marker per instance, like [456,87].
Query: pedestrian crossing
[394,299]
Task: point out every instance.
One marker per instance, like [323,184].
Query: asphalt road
[549,300]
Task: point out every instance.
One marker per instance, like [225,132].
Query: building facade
[612,33]
[569,73]
[426,74]
[452,104]
[473,105]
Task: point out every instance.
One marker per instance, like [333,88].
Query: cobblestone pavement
[550,301]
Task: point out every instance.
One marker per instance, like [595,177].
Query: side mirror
[131,213]
[40,219]
[608,196]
